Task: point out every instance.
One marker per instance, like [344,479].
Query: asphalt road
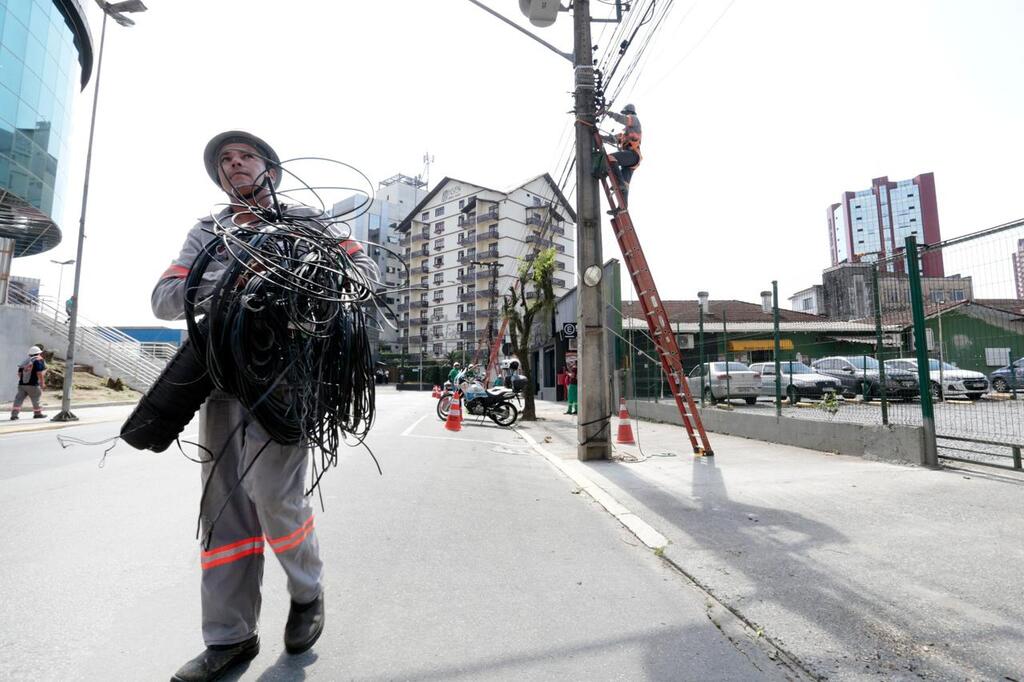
[470,558]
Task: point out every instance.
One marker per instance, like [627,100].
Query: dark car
[1010,377]
[859,376]
[798,380]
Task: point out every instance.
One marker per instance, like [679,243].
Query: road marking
[408,434]
[576,473]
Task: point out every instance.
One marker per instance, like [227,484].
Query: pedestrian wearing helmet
[261,495]
[626,160]
[31,382]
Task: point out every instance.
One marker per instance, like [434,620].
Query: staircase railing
[120,354]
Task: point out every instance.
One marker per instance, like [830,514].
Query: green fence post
[728,378]
[878,344]
[700,322]
[930,456]
[775,323]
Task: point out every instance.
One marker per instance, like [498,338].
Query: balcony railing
[558,282]
[466,277]
[535,219]
[467,315]
[424,338]
[467,257]
[488,253]
[425,268]
[559,265]
[486,293]
[424,251]
[539,241]
[418,304]
[403,307]
[558,229]
[487,234]
[425,233]
[492,214]
[468,296]
[483,274]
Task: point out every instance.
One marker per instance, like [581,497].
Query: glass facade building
[45,57]
[873,224]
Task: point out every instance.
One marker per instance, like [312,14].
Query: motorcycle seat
[498,391]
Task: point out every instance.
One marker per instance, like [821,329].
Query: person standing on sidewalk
[258,483]
[31,382]
[571,390]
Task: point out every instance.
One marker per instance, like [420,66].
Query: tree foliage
[531,294]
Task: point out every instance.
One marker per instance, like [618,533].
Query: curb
[50,426]
[746,636]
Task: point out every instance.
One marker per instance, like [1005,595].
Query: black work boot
[217,661]
[305,623]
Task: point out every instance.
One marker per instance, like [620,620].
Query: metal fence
[940,345]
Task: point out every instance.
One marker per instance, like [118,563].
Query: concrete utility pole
[593,429]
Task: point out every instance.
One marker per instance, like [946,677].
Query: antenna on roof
[428,159]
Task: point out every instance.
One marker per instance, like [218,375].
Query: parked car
[798,381]
[725,381]
[859,376]
[947,380]
[1009,377]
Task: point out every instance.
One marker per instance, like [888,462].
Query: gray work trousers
[33,393]
[266,511]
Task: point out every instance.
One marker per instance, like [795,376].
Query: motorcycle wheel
[504,414]
[444,403]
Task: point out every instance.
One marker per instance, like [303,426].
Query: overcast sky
[750,130]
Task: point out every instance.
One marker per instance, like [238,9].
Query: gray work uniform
[268,510]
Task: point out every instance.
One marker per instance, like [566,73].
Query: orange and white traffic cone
[625,436]
[454,421]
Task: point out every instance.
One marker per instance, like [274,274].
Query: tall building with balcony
[45,57]
[378,229]
[464,243]
[872,224]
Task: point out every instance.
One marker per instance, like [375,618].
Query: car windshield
[733,367]
[861,362]
[933,365]
[795,368]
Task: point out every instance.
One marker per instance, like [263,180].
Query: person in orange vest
[626,160]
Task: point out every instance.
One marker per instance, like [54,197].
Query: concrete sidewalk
[87,413]
[857,569]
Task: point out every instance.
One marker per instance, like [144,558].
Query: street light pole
[109,10]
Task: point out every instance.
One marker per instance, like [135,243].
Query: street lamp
[702,305]
[60,285]
[116,11]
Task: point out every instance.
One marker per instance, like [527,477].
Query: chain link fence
[940,345]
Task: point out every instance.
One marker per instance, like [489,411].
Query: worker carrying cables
[624,161]
[278,291]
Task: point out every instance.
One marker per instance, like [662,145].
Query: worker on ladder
[626,160]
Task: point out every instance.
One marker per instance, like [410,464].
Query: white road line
[576,472]
[408,434]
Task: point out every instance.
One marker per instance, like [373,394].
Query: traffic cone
[454,421]
[625,436]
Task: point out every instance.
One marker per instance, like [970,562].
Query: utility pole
[492,306]
[593,426]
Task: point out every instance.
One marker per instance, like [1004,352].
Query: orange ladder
[654,311]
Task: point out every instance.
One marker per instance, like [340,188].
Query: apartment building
[464,243]
[377,227]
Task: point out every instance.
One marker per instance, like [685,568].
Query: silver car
[725,381]
[947,381]
[798,381]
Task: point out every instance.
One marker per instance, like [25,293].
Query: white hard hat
[35,350]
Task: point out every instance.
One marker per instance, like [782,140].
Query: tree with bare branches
[530,295]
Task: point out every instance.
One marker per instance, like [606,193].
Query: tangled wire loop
[282,328]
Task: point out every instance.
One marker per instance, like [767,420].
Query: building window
[438,348]
[438,278]
[958,294]
[425,216]
[439,227]
[438,261]
[913,220]
[439,243]
[462,203]
[439,211]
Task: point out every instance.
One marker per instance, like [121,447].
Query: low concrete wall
[16,336]
[904,444]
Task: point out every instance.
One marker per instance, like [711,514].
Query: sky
[757,115]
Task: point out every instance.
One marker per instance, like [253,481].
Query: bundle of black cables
[282,329]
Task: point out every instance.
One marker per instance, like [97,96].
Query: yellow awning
[760,344]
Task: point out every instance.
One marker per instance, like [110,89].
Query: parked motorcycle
[494,403]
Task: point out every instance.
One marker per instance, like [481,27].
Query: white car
[948,381]
[725,381]
[798,381]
